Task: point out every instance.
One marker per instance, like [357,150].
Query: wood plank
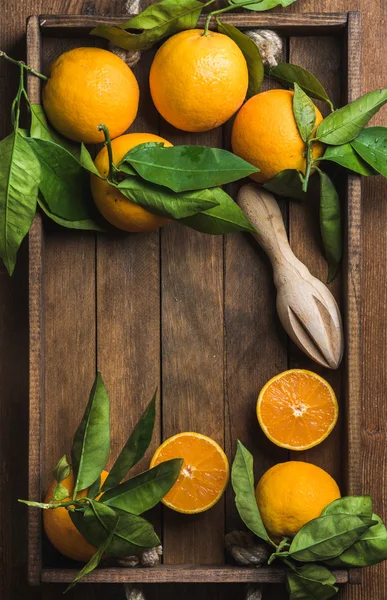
[128,310]
[192,362]
[178,574]
[288,22]
[305,240]
[256,344]
[36,375]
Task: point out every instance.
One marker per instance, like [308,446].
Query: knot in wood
[244,550]
[269,45]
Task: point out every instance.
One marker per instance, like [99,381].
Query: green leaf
[304,113]
[346,156]
[91,444]
[371,144]
[161,201]
[289,74]
[94,489]
[288,183]
[111,523]
[327,537]
[40,129]
[135,447]
[133,533]
[242,479]
[60,492]
[61,472]
[225,218]
[64,183]
[345,124]
[19,180]
[370,550]
[250,52]
[185,168]
[263,4]
[360,506]
[155,22]
[143,492]
[311,582]
[330,224]
[85,224]
[62,469]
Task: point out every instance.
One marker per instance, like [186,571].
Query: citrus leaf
[132,535]
[242,479]
[155,22]
[287,183]
[227,217]
[263,4]
[345,124]
[91,444]
[370,550]
[346,156]
[84,225]
[135,447]
[327,537]
[60,492]
[350,505]
[143,492]
[97,557]
[20,176]
[94,489]
[311,582]
[250,52]
[330,224]
[371,144]
[61,472]
[161,201]
[289,74]
[185,168]
[64,183]
[304,113]
[40,129]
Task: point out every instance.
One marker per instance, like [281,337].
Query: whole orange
[265,134]
[198,81]
[292,493]
[60,529]
[113,205]
[87,87]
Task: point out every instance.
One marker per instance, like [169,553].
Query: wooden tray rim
[287,23]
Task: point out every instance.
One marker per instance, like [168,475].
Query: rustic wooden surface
[13,326]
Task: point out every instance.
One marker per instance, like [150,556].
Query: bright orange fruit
[60,529]
[265,133]
[198,81]
[204,474]
[297,409]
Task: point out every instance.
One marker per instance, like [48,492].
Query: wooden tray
[191,313]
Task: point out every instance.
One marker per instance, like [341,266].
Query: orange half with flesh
[204,474]
[297,409]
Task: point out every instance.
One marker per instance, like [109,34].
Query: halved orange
[297,409]
[204,474]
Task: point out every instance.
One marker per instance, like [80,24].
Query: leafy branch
[347,533]
[108,515]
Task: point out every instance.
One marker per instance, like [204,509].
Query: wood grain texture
[179,574]
[13,313]
[304,233]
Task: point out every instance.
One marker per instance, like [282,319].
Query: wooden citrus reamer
[306,308]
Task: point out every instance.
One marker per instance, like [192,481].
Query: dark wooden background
[14,317]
